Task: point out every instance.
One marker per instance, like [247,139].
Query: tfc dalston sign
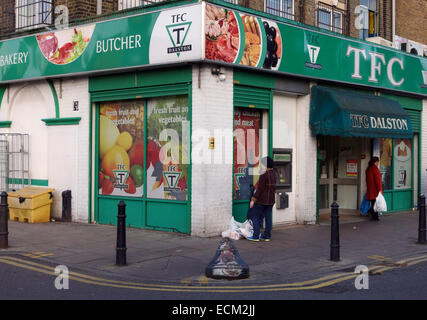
[371,122]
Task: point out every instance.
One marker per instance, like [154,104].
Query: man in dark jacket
[263,200]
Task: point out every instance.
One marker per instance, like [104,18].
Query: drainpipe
[393,19]
[98,7]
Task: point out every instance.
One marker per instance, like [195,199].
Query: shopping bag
[236,229]
[365,205]
[380,204]
[247,229]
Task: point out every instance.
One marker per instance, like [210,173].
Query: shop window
[385,166]
[33,13]
[282,8]
[395,162]
[167,148]
[402,164]
[121,148]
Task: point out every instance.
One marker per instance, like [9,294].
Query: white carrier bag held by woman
[380,204]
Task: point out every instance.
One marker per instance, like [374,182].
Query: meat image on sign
[234,37]
[222,34]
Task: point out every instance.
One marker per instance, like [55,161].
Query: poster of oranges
[167,148]
[121,148]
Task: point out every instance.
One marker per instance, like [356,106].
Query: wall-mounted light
[217,72]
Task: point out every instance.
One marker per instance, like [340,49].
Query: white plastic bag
[247,229]
[380,204]
[232,234]
[236,230]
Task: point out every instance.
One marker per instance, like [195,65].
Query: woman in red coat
[373,184]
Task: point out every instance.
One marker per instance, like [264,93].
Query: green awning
[338,112]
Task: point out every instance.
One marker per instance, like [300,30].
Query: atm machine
[283,170]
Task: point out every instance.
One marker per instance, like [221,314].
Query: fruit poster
[167,148]
[247,125]
[121,148]
[386,157]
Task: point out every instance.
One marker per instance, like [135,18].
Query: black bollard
[121,235]
[66,206]
[422,220]
[335,234]
[4,217]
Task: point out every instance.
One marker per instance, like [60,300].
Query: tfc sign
[377,61]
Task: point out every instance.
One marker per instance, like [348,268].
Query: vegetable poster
[167,148]
[247,125]
[121,148]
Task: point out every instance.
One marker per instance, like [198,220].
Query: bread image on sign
[253,41]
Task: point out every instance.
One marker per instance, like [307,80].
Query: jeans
[259,213]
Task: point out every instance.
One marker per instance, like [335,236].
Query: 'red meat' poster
[247,125]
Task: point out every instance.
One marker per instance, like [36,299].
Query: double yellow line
[305,285]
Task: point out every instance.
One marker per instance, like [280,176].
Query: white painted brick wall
[284,136]
[76,149]
[65,164]
[306,173]
[212,108]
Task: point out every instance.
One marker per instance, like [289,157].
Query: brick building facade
[7,16]
[415,27]
[304,11]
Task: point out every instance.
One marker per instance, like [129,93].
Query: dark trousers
[374,214]
[259,213]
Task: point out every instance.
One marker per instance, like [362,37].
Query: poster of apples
[121,148]
[167,148]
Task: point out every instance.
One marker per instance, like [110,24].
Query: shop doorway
[251,143]
[339,173]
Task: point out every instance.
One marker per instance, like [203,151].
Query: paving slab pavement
[295,253]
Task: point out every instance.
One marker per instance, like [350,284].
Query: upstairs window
[33,13]
[329,18]
[127,4]
[369,14]
[281,8]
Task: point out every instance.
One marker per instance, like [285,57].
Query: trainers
[261,237]
[253,239]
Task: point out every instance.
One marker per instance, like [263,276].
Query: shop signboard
[203,31]
[161,37]
[252,41]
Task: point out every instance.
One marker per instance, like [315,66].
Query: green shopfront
[176,104]
[133,112]
[351,128]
